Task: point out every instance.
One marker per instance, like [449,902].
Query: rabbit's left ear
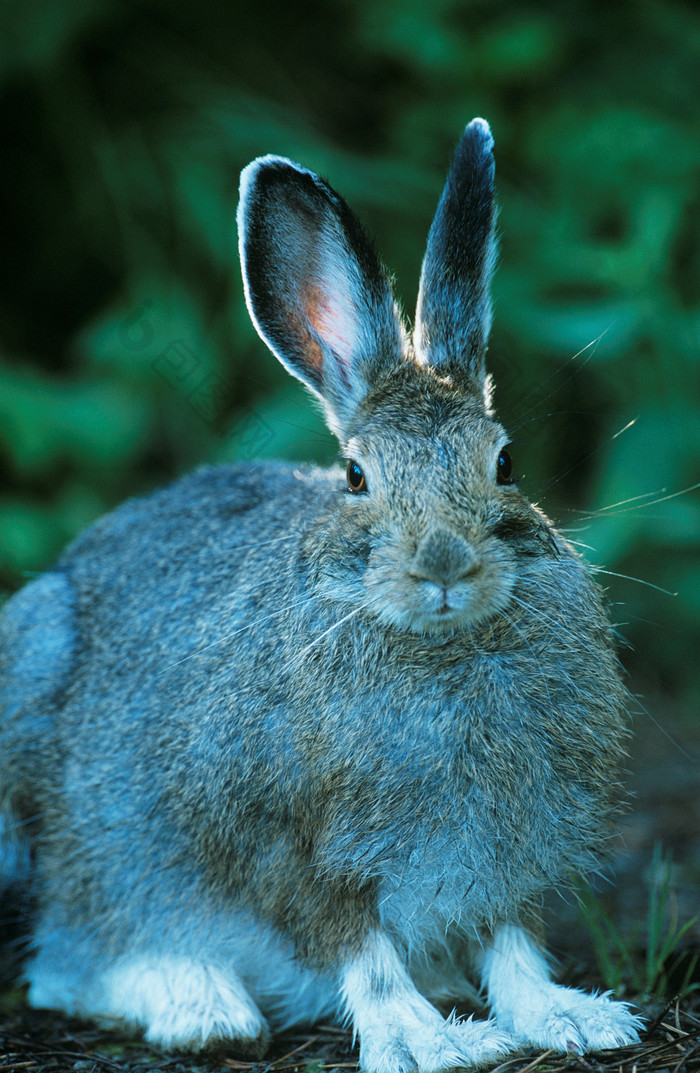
[314,286]
[454,304]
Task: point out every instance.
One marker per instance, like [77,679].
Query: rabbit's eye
[504,470]
[356,478]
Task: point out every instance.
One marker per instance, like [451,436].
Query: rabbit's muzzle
[443,559]
[448,582]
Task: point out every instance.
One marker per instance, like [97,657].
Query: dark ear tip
[262,167]
[261,180]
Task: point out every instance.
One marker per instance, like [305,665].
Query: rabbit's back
[38,642]
[184,548]
[99,651]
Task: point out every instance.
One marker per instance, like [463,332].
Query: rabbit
[282,743]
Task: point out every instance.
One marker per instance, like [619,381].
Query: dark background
[126,353]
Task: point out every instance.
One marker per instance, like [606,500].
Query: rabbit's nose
[444,558]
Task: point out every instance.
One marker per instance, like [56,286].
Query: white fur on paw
[461,1043]
[409,1045]
[399,1030]
[184,1005]
[565,1019]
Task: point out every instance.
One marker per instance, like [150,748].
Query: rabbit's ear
[314,285]
[454,305]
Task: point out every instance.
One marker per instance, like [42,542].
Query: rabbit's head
[431,527]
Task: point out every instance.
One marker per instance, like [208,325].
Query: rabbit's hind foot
[183,1005]
[535,1010]
[399,1030]
[179,1003]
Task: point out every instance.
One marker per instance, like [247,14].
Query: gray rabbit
[281,743]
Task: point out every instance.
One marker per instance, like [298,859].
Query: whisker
[262,543]
[653,502]
[538,613]
[592,347]
[537,418]
[632,499]
[535,611]
[639,580]
[659,726]
[643,709]
[624,429]
[234,633]
[537,661]
[604,512]
[300,655]
[590,454]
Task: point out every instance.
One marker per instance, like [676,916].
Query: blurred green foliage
[126,352]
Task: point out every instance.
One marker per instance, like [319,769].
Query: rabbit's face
[429,536]
[441,525]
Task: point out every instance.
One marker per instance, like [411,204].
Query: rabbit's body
[276,744]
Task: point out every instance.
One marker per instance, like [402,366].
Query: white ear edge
[341,333]
[246,195]
[315,289]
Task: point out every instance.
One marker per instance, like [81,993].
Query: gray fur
[243,730]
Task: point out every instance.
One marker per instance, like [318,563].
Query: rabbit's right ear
[314,286]
[454,305]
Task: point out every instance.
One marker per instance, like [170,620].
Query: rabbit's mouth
[446,608]
[409,599]
[465,604]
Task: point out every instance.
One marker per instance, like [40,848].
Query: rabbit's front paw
[406,1043]
[565,1019]
[399,1030]
[535,1010]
